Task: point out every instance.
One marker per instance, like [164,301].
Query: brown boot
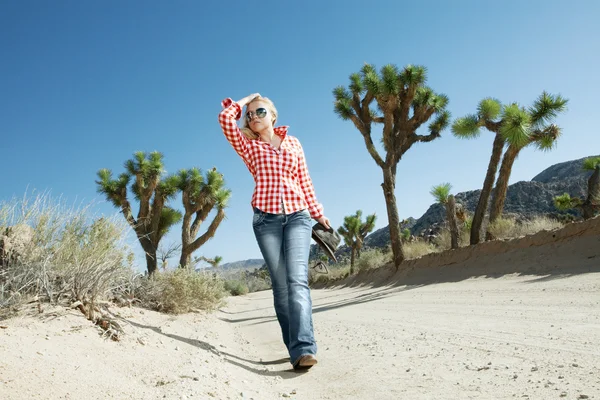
[305,362]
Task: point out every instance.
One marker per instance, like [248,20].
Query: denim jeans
[284,242]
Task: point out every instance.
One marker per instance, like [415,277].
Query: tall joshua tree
[403,104]
[154,218]
[510,124]
[200,196]
[354,232]
[442,195]
[487,114]
[541,134]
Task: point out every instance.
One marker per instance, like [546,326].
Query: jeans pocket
[258,217]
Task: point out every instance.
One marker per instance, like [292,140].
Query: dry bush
[65,256]
[372,259]
[539,224]
[509,228]
[239,282]
[503,228]
[444,241]
[256,284]
[417,249]
[182,290]
[336,272]
[236,287]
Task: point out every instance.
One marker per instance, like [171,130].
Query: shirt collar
[281,131]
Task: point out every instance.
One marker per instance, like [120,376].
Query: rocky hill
[244,264]
[524,199]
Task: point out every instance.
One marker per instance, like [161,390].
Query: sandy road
[501,320]
[532,337]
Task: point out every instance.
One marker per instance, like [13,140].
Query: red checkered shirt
[281,175]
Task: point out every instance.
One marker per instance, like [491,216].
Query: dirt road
[510,337]
[517,320]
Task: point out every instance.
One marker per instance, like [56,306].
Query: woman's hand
[247,99]
[324,221]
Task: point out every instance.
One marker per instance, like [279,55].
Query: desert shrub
[371,259]
[181,290]
[236,287]
[509,228]
[443,240]
[418,248]
[59,253]
[243,281]
[539,224]
[503,228]
[336,272]
[257,284]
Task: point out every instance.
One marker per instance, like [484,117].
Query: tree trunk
[352,260]
[151,262]
[186,258]
[488,184]
[188,246]
[452,223]
[389,184]
[149,250]
[591,203]
[499,196]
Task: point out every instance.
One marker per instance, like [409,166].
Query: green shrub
[236,287]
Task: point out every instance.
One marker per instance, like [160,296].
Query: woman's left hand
[324,221]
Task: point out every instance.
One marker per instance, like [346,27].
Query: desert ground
[505,320]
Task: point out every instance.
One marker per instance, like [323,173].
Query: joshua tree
[200,196]
[540,134]
[405,235]
[442,195]
[354,232]
[154,218]
[403,104]
[510,124]
[591,204]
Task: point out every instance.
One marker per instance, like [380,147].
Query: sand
[507,320]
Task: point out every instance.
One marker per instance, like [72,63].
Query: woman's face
[258,115]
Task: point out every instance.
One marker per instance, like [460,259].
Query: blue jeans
[284,242]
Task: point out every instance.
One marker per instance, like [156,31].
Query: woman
[284,202]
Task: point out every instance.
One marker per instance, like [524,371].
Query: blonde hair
[249,133]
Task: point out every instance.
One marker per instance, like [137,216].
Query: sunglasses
[260,113]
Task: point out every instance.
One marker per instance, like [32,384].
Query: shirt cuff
[229,103]
[316,211]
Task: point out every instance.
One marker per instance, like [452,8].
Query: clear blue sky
[85,84]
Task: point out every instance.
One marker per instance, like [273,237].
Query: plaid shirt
[281,175]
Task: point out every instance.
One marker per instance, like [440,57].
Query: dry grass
[60,254]
[372,259]
[443,240]
[509,228]
[336,272]
[417,249]
[182,290]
